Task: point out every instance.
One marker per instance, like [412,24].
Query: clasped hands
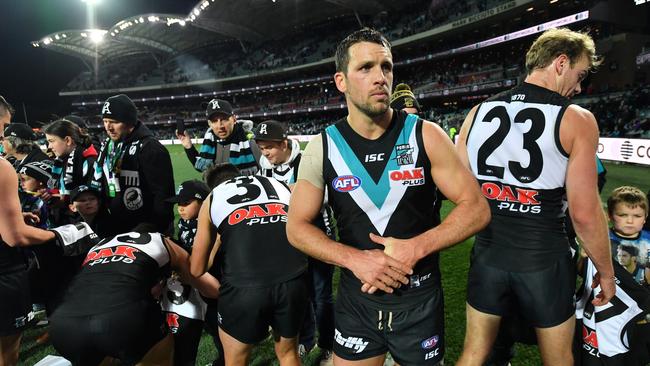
[388,269]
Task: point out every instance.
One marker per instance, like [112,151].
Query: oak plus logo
[626,149]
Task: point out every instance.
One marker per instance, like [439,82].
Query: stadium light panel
[97,36]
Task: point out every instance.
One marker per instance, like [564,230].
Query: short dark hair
[219,173]
[630,249]
[5,107]
[342,56]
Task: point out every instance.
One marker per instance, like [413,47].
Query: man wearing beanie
[225,141]
[404,99]
[133,171]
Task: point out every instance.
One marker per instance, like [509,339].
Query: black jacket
[146,179]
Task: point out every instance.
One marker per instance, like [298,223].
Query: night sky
[34,76]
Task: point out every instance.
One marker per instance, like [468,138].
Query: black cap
[403,97]
[20,130]
[39,170]
[76,120]
[190,190]
[218,106]
[75,193]
[270,130]
[120,108]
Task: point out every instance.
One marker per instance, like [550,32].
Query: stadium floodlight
[97,35]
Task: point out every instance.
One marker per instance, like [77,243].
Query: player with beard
[380,168]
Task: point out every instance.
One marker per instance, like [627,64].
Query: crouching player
[108,309]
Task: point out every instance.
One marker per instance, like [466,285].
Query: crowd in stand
[234,58]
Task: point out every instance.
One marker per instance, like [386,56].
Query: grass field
[454,266]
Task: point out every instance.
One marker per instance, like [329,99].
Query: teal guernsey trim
[599,166]
[208,149]
[377,192]
[249,158]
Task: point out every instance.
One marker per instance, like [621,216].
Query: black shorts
[187,335]
[413,337]
[15,302]
[126,333]
[545,298]
[246,313]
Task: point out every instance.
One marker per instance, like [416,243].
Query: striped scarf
[236,148]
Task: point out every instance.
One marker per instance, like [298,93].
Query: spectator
[20,144]
[133,171]
[224,141]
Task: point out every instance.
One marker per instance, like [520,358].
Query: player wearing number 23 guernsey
[532,152]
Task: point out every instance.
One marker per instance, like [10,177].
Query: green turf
[454,266]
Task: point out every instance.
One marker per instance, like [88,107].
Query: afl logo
[346,183]
[626,150]
[430,343]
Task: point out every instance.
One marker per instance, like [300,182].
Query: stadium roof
[164,36]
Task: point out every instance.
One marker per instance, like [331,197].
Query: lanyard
[112,165]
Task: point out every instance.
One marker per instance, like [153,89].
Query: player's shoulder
[579,114]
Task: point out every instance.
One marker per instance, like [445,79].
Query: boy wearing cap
[183,304]
[34,177]
[280,160]
[133,171]
[87,203]
[280,155]
[189,199]
[225,141]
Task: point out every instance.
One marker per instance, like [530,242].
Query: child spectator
[619,333]
[183,305]
[35,177]
[86,202]
[628,210]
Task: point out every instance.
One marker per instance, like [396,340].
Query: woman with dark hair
[75,154]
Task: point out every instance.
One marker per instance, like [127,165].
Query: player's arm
[457,183]
[13,229]
[461,144]
[207,284]
[579,138]
[204,241]
[370,266]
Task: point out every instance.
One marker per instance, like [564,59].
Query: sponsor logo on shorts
[430,342]
[259,214]
[406,177]
[357,344]
[346,183]
[121,253]
[512,199]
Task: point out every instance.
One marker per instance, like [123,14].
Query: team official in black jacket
[133,170]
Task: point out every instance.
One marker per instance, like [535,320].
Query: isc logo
[346,183]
